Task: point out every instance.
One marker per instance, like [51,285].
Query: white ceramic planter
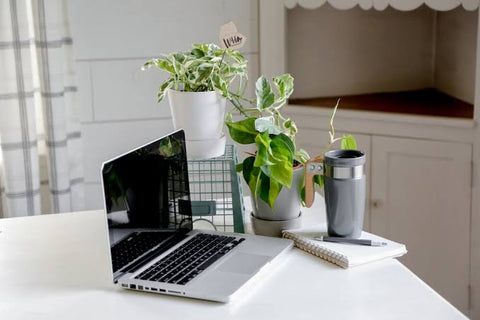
[201,115]
[286,213]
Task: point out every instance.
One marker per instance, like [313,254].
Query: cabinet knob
[377,203]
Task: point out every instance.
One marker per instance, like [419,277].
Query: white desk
[56,267]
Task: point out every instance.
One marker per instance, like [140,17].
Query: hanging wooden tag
[230,38]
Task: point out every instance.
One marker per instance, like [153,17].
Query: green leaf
[161,91]
[291,127]
[301,156]
[275,157]
[243,131]
[165,64]
[284,84]
[265,96]
[269,190]
[237,56]
[204,73]
[149,64]
[267,124]
[264,155]
[266,170]
[318,179]
[264,188]
[179,57]
[288,142]
[251,174]
[166,148]
[349,142]
[282,170]
[198,53]
[177,66]
[239,167]
[201,46]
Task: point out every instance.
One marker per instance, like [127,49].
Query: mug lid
[344,158]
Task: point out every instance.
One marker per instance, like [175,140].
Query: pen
[365,242]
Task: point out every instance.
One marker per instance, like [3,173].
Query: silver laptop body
[153,246]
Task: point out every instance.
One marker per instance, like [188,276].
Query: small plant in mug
[347,142]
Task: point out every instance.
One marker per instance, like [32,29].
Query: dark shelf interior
[428,102]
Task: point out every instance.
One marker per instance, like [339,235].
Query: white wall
[456,53]
[332,52]
[112,38]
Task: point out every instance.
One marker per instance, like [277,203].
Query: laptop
[153,246]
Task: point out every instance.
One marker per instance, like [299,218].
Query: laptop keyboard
[190,259]
[134,246]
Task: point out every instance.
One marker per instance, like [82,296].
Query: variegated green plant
[271,167]
[206,67]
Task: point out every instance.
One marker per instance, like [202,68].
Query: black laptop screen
[147,188]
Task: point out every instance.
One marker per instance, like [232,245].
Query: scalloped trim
[402,5]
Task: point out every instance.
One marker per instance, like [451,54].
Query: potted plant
[198,86]
[274,173]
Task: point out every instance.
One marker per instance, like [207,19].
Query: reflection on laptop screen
[147,189]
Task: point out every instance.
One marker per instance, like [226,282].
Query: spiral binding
[317,250]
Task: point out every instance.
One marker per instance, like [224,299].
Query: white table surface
[57,267]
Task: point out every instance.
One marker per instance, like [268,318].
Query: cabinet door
[314,141]
[421,194]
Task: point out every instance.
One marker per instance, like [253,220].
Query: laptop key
[177,277]
[210,261]
[188,278]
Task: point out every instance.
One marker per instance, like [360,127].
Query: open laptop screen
[147,188]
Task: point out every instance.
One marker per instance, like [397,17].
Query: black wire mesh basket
[216,192]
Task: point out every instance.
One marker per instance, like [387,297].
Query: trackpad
[245,263]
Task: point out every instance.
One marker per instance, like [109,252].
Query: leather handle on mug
[312,168]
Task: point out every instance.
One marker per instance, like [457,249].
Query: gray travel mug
[345,190]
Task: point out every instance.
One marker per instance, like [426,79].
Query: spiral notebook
[343,254]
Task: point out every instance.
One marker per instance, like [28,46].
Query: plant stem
[238,106]
[332,141]
[332,129]
[223,56]
[242,98]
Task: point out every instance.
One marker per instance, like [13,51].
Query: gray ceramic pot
[286,213]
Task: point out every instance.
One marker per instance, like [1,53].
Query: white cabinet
[421,196]
[419,175]
[421,167]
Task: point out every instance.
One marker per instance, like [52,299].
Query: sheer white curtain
[40,140]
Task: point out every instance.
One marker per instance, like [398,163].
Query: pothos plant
[271,167]
[206,67]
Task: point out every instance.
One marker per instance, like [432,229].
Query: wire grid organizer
[216,191]
[177,198]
